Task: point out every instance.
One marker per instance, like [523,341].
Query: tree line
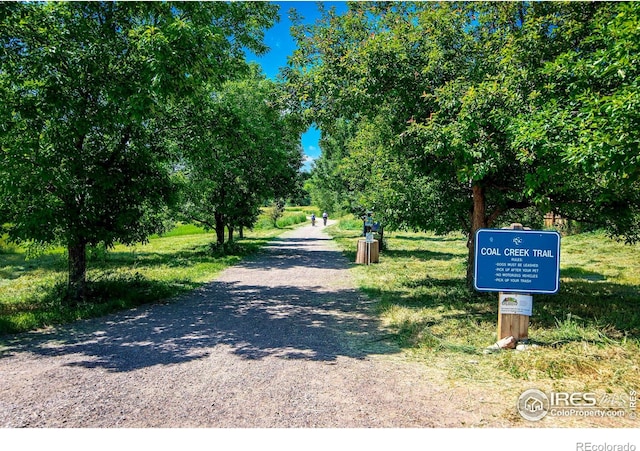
[115,116]
[451,116]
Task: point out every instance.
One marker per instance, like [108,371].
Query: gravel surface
[282,340]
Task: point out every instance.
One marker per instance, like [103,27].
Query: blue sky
[281,45]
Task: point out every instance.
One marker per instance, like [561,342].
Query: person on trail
[313,219]
[325,216]
[368,223]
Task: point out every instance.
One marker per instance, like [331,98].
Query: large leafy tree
[244,149]
[456,85]
[421,86]
[361,76]
[584,125]
[83,86]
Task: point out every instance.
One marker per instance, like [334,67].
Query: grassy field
[181,260]
[587,336]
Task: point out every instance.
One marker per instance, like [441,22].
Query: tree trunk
[219,228]
[230,228]
[241,232]
[478,221]
[77,270]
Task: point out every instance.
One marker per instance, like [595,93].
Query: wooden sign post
[510,324]
[517,263]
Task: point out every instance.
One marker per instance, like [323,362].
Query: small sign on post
[514,310]
[516,263]
[516,304]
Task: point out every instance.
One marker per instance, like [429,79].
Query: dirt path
[282,340]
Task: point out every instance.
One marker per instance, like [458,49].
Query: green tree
[300,195]
[439,95]
[409,78]
[245,149]
[584,125]
[83,87]
[329,188]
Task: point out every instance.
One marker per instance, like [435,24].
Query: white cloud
[307,163]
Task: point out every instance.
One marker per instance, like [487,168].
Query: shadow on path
[253,316]
[291,253]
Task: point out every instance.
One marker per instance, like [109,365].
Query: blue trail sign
[517,261]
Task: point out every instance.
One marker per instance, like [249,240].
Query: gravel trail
[281,340]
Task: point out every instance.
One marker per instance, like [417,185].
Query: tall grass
[291,219]
[292,216]
[588,334]
[306,210]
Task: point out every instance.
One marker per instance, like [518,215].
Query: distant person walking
[325,216]
[313,219]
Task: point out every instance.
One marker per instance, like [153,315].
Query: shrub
[290,220]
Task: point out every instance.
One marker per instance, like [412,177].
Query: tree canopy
[245,151]
[83,90]
[449,115]
[441,116]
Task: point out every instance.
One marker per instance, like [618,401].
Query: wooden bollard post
[367,253]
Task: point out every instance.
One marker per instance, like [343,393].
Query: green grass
[307,210]
[32,290]
[181,230]
[586,335]
[291,219]
[292,216]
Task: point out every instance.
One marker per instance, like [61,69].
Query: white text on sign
[508,252]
